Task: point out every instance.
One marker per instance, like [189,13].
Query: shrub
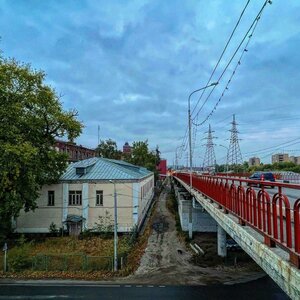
[19,258]
[53,229]
[105,226]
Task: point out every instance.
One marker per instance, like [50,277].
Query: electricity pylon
[209,160]
[234,155]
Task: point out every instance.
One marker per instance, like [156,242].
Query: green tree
[31,117]
[108,149]
[142,156]
[157,155]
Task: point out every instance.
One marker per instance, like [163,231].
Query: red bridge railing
[274,216]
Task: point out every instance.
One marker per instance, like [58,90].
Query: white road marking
[42,297]
[63,285]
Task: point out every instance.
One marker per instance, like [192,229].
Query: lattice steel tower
[209,160]
[234,155]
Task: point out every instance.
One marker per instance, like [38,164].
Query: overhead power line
[230,79]
[251,28]
[184,143]
[222,54]
[274,147]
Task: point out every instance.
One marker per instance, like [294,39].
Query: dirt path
[166,259]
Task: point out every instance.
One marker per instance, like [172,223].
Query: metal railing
[273,215]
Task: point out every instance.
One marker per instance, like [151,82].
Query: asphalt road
[264,289]
[292,194]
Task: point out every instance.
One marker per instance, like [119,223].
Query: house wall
[133,200]
[40,219]
[146,191]
[105,214]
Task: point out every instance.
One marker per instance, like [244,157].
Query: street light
[115,228]
[226,160]
[190,127]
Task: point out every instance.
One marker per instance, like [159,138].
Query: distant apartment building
[280,157]
[295,159]
[75,152]
[254,161]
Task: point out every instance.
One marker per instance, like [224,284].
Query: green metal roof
[98,168]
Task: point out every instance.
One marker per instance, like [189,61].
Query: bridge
[265,222]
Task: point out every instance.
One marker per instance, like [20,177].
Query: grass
[172,206]
[134,256]
[91,246]
[64,249]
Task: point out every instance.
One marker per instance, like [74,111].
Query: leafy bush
[105,225]
[53,229]
[19,258]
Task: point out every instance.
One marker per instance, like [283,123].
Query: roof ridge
[121,168]
[118,167]
[105,169]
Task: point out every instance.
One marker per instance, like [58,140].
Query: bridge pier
[190,226]
[193,218]
[222,250]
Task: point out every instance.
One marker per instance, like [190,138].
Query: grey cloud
[129,66]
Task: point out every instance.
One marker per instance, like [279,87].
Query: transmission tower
[234,155]
[209,160]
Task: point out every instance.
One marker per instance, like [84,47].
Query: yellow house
[84,198]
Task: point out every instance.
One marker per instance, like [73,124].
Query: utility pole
[115,228]
[98,135]
[187,160]
[5,248]
[190,128]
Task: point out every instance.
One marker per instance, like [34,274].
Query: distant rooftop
[98,168]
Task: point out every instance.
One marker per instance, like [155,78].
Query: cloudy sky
[129,67]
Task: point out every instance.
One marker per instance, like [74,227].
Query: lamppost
[226,160]
[190,127]
[115,228]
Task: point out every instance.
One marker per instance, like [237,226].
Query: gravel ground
[167,261]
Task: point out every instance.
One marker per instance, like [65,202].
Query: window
[75,197]
[50,198]
[99,198]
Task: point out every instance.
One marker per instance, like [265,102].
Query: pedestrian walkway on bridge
[266,227]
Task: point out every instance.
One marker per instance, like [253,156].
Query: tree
[108,149]
[142,156]
[31,117]
[157,155]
